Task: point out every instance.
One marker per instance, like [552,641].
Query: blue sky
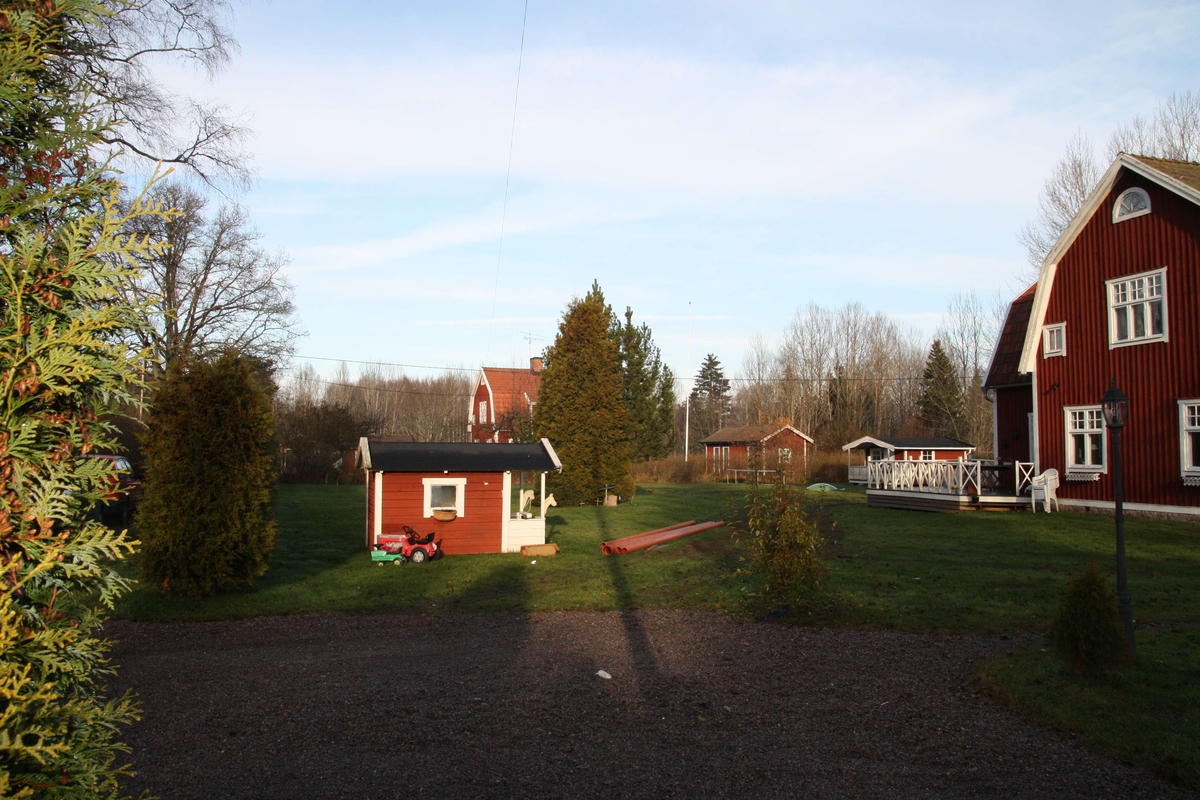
[746,158]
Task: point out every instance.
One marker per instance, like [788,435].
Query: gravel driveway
[510,706]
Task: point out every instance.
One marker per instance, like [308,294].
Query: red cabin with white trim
[463,492]
[1117,298]
[768,446]
[501,399]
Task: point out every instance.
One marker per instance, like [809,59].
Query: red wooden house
[463,492]
[769,446]
[501,397]
[1118,297]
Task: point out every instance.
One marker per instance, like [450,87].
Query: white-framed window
[1132,203]
[785,455]
[444,494]
[927,455]
[725,456]
[1054,340]
[483,417]
[1087,440]
[1137,308]
[877,454]
[1189,438]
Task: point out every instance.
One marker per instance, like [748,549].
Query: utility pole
[687,403]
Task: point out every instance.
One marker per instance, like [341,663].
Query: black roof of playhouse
[391,456]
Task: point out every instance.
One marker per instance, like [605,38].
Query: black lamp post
[1116,412]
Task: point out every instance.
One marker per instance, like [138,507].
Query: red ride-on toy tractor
[408,546]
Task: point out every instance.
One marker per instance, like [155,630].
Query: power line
[386,364]
[507,177]
[385,389]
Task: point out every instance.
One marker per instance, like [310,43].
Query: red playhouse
[462,492]
[1117,299]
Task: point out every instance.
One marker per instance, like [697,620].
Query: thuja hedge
[205,519]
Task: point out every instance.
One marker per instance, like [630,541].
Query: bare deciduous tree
[116,54]
[1172,133]
[215,287]
[969,333]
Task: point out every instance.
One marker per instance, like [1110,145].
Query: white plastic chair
[1044,487]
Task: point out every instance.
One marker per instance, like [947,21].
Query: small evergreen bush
[785,540]
[1087,631]
[206,515]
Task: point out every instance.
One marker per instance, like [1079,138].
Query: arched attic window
[1132,203]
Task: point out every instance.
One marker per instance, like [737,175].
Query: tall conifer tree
[649,391]
[711,403]
[941,398]
[581,409]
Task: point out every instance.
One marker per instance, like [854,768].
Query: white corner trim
[364,452]
[1037,318]
[459,496]
[553,455]
[378,506]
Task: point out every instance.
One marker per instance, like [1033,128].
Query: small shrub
[206,517]
[1087,631]
[785,541]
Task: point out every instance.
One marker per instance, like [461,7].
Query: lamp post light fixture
[1116,413]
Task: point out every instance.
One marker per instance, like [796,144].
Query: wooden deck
[948,485]
[923,501]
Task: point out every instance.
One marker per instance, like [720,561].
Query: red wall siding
[481,431]
[1013,406]
[1154,375]
[476,531]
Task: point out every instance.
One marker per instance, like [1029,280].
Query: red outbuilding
[769,446]
[502,398]
[463,492]
[1117,299]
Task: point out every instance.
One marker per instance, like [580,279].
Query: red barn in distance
[501,397]
[1117,298]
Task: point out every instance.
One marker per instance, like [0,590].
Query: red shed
[501,398]
[772,446]
[461,491]
[1117,298]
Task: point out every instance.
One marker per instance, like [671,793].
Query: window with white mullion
[1054,340]
[1138,308]
[1086,439]
[1189,437]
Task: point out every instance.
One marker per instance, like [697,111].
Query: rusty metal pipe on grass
[607,547]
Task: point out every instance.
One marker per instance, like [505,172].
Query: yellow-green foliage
[785,541]
[63,365]
[1087,630]
[206,515]
[580,406]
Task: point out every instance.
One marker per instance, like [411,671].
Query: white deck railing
[944,477]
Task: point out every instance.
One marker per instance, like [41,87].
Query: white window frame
[1050,347]
[1118,297]
[1188,423]
[1092,415]
[877,454]
[459,495]
[784,454]
[483,412]
[1119,217]
[928,455]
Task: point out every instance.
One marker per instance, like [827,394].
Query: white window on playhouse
[444,494]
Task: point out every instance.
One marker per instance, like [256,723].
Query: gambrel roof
[1180,177]
[1004,369]
[513,391]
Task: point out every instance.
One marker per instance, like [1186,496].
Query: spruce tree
[580,405]
[710,400]
[206,515]
[649,391]
[941,399]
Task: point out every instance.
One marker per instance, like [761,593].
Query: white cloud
[627,119]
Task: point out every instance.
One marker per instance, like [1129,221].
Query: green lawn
[320,564]
[951,573]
